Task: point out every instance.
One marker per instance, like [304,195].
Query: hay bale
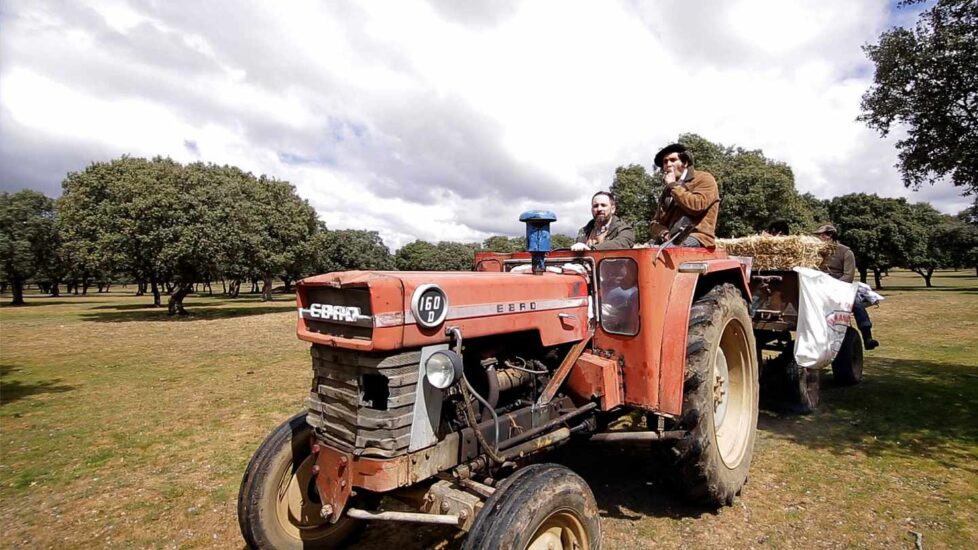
[778,252]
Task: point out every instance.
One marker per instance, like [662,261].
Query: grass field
[122,427]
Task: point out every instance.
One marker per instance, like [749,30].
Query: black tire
[278,505]
[545,504]
[847,367]
[789,388]
[720,399]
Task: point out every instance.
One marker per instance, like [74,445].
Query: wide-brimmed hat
[827,228]
[668,150]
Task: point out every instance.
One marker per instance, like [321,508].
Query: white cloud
[440,120]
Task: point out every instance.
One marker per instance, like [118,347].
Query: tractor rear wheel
[278,504]
[847,367]
[542,506]
[720,395]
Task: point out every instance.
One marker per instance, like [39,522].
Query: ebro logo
[329,312]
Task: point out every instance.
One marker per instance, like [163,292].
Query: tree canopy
[28,238]
[162,221]
[636,192]
[926,83]
[756,193]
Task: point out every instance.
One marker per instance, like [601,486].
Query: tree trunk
[17,287]
[925,273]
[175,304]
[140,288]
[85,284]
[288,283]
[862,274]
[156,292]
[45,287]
[877,278]
[210,291]
[55,291]
[266,290]
[224,285]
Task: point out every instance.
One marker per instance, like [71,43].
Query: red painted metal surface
[333,471]
[485,304]
[654,359]
[596,377]
[674,342]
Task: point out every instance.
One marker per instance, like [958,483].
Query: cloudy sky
[443,119]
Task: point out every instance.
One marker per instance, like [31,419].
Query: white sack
[823,316]
[867,296]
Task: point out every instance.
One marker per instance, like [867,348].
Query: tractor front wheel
[540,507]
[278,504]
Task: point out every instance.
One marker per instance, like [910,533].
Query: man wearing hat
[691,199]
[841,264]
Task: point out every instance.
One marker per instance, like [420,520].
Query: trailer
[786,386]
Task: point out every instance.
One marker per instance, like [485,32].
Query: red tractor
[440,390]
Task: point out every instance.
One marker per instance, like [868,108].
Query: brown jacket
[840,263]
[696,197]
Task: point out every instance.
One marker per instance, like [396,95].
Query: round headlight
[443,368]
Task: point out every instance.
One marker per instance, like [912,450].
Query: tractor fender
[693,279]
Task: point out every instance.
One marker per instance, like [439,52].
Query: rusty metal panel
[481,304]
[586,380]
[673,356]
[333,474]
[597,377]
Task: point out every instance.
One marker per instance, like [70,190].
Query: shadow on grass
[958,289]
[149,305]
[903,408]
[157,314]
[625,483]
[34,301]
[14,390]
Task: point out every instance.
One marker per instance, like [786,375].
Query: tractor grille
[345,297]
[363,403]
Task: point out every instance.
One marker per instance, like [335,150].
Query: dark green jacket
[619,234]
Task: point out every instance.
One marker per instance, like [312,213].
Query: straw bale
[778,252]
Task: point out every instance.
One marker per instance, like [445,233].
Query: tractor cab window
[618,282]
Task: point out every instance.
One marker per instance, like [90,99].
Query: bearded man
[605,230]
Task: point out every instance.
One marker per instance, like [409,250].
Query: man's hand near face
[672,169]
[670,176]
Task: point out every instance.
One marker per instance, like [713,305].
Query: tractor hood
[389,310]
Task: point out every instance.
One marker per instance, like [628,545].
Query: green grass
[122,426]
